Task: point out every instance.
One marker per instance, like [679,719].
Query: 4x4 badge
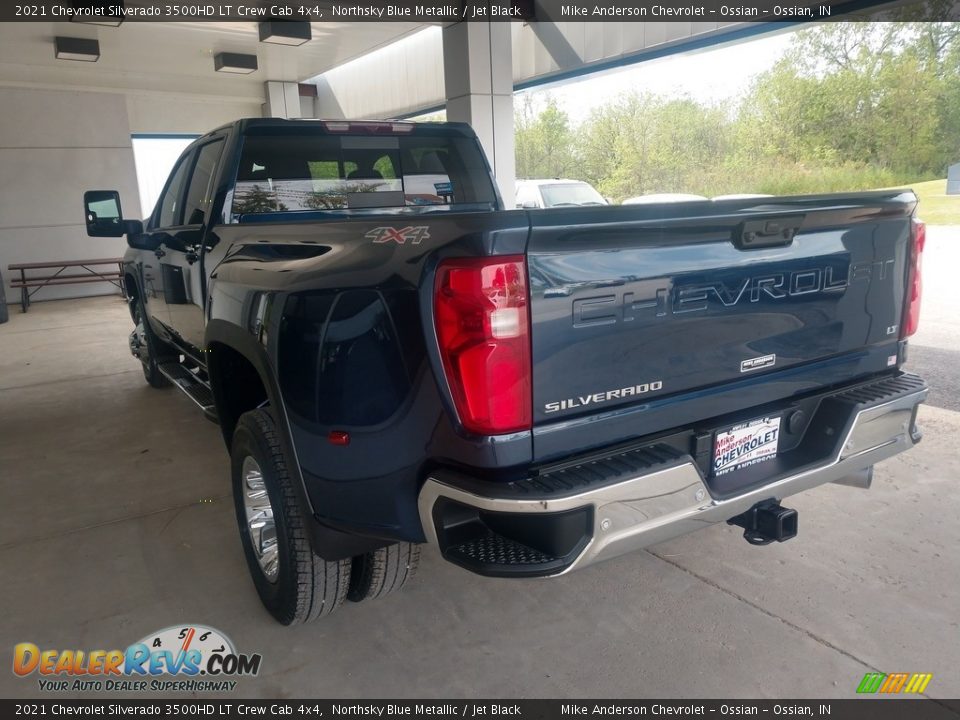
[415,234]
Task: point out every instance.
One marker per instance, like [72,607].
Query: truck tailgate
[641,309]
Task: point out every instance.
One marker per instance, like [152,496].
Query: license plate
[746,444]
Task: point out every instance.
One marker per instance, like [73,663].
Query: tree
[882,94]
[544,141]
[643,144]
[256,200]
[850,106]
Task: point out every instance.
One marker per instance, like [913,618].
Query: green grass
[936,208]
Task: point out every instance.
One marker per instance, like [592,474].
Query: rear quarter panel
[343,313]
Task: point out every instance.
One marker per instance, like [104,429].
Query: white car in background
[556,193]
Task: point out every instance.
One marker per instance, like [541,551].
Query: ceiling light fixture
[236,63]
[285,32]
[73,48]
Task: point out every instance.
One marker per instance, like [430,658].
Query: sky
[154,158]
[710,76]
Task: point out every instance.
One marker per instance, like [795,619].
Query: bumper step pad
[519,545]
[493,549]
[587,473]
[882,391]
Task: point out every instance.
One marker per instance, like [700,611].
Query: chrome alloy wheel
[260,523]
[138,338]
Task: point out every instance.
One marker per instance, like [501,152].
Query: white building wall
[185,114]
[54,144]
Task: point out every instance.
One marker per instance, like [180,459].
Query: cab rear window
[314,172]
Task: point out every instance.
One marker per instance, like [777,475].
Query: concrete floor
[117,522]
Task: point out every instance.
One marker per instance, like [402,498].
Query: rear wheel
[295,585]
[148,345]
[383,571]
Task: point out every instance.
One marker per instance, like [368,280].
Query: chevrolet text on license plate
[746,444]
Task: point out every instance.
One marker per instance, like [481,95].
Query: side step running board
[191,386]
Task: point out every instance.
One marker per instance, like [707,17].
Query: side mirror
[103,215]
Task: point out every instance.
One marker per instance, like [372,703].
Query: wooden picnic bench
[113,275]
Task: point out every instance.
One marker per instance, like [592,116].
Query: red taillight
[480,307]
[911,315]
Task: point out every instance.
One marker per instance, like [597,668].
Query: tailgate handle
[767,232]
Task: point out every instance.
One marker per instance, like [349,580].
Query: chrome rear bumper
[673,499]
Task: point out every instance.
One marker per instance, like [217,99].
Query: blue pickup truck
[394,359]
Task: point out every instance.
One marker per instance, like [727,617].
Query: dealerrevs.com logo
[186,658]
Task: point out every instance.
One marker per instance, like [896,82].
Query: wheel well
[236,386]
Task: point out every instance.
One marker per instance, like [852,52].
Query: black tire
[306,586]
[383,571]
[150,345]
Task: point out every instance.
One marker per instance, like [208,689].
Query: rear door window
[170,206]
[200,191]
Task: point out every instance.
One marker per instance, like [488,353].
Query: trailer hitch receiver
[765,522]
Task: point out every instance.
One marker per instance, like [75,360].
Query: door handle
[159,252]
[767,232]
